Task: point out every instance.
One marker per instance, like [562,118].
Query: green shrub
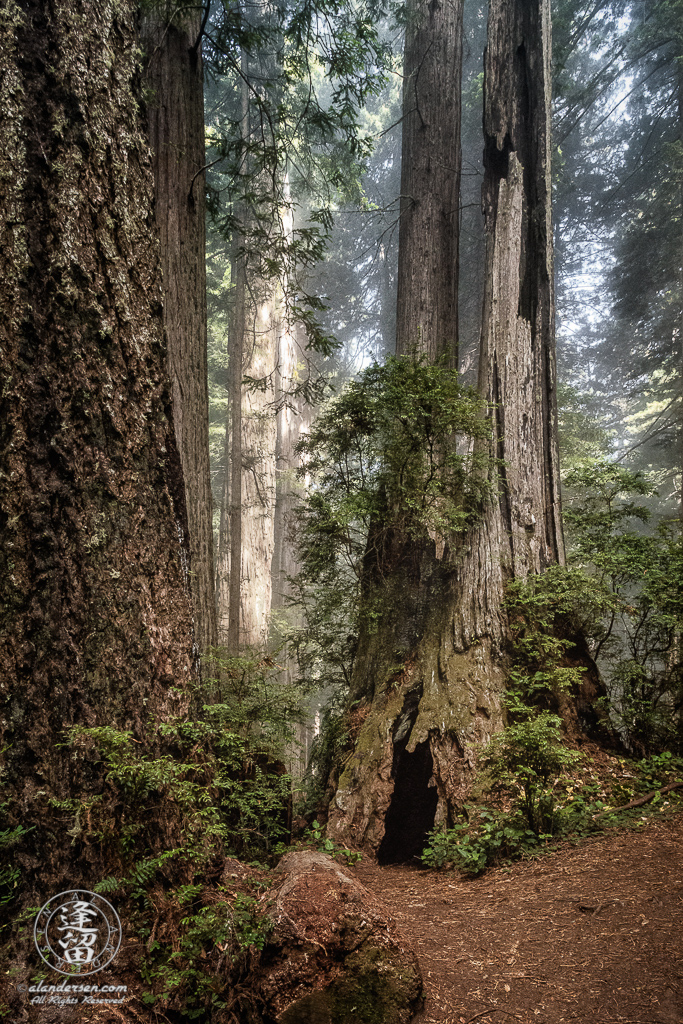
[484,838]
[520,762]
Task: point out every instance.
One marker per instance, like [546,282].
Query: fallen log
[335,954]
[639,801]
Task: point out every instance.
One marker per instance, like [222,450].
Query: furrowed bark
[95,626]
[427,302]
[175,113]
[517,362]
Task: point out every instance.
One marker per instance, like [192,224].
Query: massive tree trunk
[175,111]
[444,619]
[427,302]
[96,624]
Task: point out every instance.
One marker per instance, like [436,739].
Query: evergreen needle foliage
[394,450]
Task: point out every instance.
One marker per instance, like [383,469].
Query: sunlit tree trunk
[259,435]
[175,112]
[244,576]
[96,625]
[293,420]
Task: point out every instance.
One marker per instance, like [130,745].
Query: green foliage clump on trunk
[394,451]
[399,457]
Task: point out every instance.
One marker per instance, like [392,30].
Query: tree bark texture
[517,361]
[175,115]
[96,624]
[427,302]
[428,683]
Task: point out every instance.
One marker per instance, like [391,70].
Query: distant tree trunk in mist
[259,433]
[244,564]
[175,114]
[443,615]
[246,533]
[96,624]
[237,330]
[427,302]
[293,419]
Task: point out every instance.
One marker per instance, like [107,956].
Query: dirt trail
[592,934]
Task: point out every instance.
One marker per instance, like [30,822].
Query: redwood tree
[175,111]
[444,619]
[96,626]
[427,313]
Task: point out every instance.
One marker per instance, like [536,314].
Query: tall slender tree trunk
[444,617]
[175,114]
[229,563]
[293,419]
[427,302]
[237,332]
[95,625]
[259,436]
[244,617]
[680,293]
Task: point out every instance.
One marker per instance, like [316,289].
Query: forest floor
[589,934]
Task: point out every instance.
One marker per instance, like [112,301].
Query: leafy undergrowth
[589,800]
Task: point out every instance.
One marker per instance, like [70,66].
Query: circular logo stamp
[77,932]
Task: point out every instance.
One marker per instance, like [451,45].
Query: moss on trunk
[95,621]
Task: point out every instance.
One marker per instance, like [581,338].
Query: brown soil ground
[590,934]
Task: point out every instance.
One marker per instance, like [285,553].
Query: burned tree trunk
[96,625]
[175,113]
[428,682]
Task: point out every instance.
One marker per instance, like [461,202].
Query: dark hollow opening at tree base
[412,808]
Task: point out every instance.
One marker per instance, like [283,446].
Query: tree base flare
[415,746]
